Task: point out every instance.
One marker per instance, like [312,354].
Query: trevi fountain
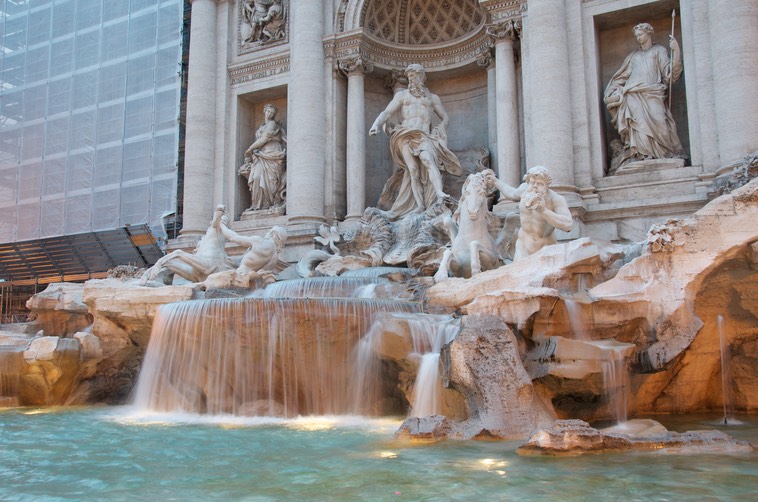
[432,250]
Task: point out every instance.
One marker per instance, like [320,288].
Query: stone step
[674,205]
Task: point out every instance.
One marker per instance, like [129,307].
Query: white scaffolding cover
[89,114]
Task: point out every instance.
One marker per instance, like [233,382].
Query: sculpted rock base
[575,437]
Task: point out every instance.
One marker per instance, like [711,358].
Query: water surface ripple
[111,454]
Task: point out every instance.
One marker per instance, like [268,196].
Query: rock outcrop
[663,299]
[576,437]
[483,364]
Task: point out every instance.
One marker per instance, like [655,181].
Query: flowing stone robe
[265,170]
[398,188]
[641,117]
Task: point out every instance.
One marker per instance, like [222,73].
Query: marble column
[508,154]
[734,42]
[487,61]
[200,139]
[355,68]
[550,104]
[306,133]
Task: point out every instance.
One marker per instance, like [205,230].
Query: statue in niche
[542,210]
[419,150]
[264,19]
[208,257]
[265,163]
[636,100]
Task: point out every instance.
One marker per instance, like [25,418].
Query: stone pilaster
[306,134]
[734,42]
[355,68]
[551,141]
[201,119]
[508,154]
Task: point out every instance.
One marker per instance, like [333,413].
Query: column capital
[485,59]
[354,65]
[506,31]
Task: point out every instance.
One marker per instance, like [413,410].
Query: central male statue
[542,210]
[418,150]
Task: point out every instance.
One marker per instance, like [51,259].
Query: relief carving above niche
[262,24]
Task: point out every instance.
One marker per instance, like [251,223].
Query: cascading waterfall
[577,319]
[257,356]
[616,384]
[726,371]
[318,287]
[11,362]
[429,333]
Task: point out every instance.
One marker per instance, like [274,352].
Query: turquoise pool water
[113,454]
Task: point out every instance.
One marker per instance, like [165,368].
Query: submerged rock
[432,428]
[575,437]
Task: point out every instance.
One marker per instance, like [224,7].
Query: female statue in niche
[265,160]
[636,100]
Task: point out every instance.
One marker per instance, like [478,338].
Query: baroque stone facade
[522,78]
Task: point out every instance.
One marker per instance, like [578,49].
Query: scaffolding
[89,115]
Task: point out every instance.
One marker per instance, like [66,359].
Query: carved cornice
[387,56]
[502,10]
[354,65]
[259,69]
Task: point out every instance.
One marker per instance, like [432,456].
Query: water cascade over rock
[263,356]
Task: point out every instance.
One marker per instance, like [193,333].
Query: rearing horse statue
[472,249]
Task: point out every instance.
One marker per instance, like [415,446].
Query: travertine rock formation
[574,437]
[665,301]
[483,364]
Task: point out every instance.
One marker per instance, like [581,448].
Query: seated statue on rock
[542,210]
[257,265]
[419,150]
[636,100]
[264,165]
[208,257]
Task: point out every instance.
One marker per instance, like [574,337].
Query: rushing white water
[726,370]
[320,287]
[11,362]
[428,334]
[577,319]
[616,384]
[258,357]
